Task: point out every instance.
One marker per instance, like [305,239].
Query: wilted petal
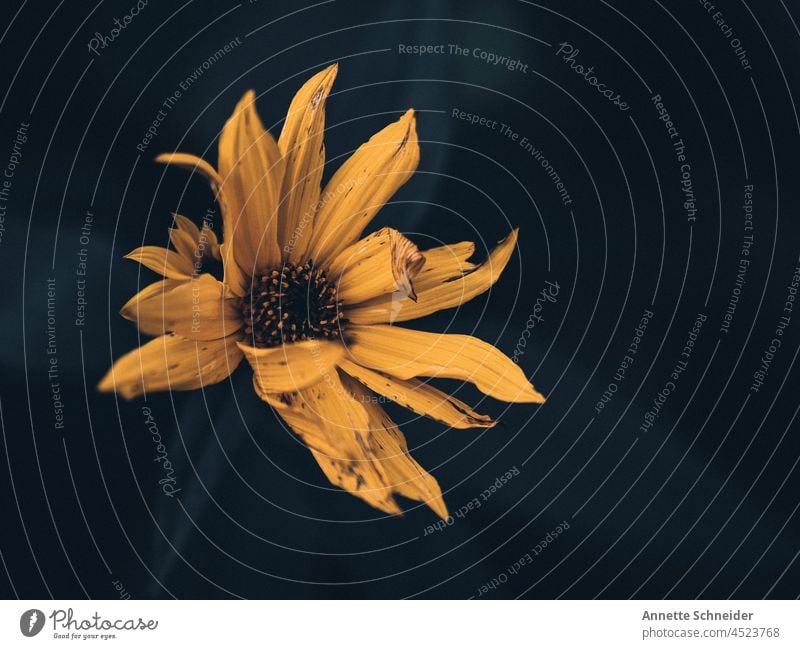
[357,446]
[420,397]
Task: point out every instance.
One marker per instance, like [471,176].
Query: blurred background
[639,186]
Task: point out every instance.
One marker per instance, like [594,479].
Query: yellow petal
[184,236]
[183,243]
[388,445]
[452,291]
[252,170]
[193,163]
[301,144]
[356,445]
[444,263]
[185,224]
[172,363]
[406,353]
[362,185]
[420,397]
[234,278]
[192,243]
[383,263]
[208,238]
[334,426]
[156,288]
[303,411]
[163,261]
[294,366]
[197,309]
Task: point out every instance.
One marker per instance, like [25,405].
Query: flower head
[312,305]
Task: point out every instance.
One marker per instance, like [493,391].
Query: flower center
[291,303]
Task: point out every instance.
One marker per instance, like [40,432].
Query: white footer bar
[400,624]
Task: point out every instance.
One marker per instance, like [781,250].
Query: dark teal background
[703,504]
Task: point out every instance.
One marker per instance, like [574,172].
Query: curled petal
[445,263]
[433,297]
[383,263]
[193,163]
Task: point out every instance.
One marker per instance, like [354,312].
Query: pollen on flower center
[292,303]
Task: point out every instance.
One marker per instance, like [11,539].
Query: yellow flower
[312,306]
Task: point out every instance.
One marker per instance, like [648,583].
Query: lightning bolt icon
[32,620]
